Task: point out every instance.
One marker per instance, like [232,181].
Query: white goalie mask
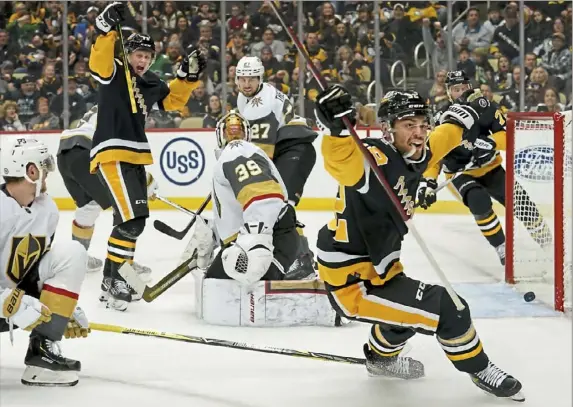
[22,152]
[232,126]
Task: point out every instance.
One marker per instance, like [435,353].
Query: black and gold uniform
[359,251]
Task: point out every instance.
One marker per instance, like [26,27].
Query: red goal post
[538,218]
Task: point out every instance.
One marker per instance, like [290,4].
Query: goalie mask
[232,127]
[457,82]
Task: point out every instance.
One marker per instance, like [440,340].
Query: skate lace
[120,285]
[492,375]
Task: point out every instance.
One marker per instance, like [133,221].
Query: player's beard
[44,187]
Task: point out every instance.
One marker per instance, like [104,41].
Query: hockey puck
[529,296]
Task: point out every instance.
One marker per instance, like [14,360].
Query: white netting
[538,227]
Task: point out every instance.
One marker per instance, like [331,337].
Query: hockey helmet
[397,105]
[250,66]
[139,42]
[232,126]
[456,78]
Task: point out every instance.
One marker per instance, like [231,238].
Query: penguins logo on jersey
[25,252]
[405,199]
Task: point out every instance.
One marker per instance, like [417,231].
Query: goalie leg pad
[271,303]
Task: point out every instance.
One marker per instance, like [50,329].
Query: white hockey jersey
[267,112]
[26,233]
[247,187]
[82,134]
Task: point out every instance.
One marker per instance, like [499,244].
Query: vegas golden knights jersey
[120,134]
[364,240]
[452,147]
[81,135]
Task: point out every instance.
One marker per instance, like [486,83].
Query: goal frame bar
[558,198]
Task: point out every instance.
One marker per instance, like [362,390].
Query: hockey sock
[465,351]
[62,304]
[490,227]
[119,250]
[82,234]
[388,343]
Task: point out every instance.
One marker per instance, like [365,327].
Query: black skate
[45,365]
[501,253]
[394,366]
[496,382]
[119,295]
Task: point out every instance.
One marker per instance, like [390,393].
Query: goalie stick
[168,230]
[372,164]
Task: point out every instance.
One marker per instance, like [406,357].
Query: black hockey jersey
[363,241]
[120,134]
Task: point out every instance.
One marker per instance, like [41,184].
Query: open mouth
[140,70]
[417,144]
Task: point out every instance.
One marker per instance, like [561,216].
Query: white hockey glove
[23,310]
[110,17]
[203,242]
[462,115]
[78,325]
[426,196]
[152,187]
[251,255]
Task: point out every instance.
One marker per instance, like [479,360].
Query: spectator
[471,34]
[44,120]
[9,119]
[557,62]
[502,78]
[550,102]
[170,16]
[466,64]
[493,20]
[278,48]
[49,84]
[197,104]
[343,36]
[7,50]
[484,70]
[184,31]
[235,23]
[437,49]
[26,98]
[214,112]
[77,106]
[506,36]
[530,63]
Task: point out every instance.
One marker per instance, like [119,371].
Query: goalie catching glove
[248,259]
[427,193]
[192,65]
[23,310]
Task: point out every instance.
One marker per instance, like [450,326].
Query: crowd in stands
[339,37]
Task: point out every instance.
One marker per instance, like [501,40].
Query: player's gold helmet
[232,126]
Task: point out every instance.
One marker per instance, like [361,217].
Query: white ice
[124,370]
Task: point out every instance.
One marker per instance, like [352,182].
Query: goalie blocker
[259,242]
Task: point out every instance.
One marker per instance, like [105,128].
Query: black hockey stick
[229,344]
[396,202]
[179,235]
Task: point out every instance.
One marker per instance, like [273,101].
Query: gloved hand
[110,17]
[426,195]
[23,310]
[462,115]
[152,187]
[202,243]
[483,151]
[78,325]
[332,105]
[192,65]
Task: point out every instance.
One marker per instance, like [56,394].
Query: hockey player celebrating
[285,138]
[120,149]
[88,193]
[469,140]
[359,251]
[41,281]
[257,231]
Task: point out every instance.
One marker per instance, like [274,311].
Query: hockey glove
[202,244]
[251,255]
[483,151]
[110,17]
[461,115]
[427,193]
[332,105]
[78,325]
[192,66]
[152,187]
[23,310]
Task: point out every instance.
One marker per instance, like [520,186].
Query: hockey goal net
[539,225]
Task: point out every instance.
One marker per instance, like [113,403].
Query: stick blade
[131,277]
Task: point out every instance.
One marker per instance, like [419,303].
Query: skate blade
[519,397]
[37,376]
[388,377]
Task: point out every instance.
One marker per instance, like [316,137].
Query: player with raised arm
[87,191]
[120,149]
[287,139]
[476,155]
[256,228]
[40,280]
[359,251]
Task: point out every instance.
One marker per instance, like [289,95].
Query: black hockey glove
[110,17]
[192,65]
[332,105]
[426,195]
[483,151]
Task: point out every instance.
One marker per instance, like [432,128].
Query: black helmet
[397,105]
[137,42]
[456,78]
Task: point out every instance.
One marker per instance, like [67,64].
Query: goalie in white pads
[256,228]
[41,281]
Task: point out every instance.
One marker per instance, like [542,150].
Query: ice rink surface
[123,370]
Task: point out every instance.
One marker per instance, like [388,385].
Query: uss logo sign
[182,161]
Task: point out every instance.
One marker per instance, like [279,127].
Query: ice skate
[496,382]
[501,253]
[119,295]
[142,271]
[45,365]
[394,366]
[105,286]
[94,264]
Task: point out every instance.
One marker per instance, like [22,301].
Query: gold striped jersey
[364,239]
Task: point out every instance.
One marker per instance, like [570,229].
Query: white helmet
[249,66]
[23,151]
[230,126]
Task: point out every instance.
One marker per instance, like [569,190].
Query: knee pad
[64,266]
[87,215]
[132,228]
[478,201]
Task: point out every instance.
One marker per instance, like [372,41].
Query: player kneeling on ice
[257,230]
[39,290]
[359,251]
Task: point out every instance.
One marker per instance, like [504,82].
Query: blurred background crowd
[370,47]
